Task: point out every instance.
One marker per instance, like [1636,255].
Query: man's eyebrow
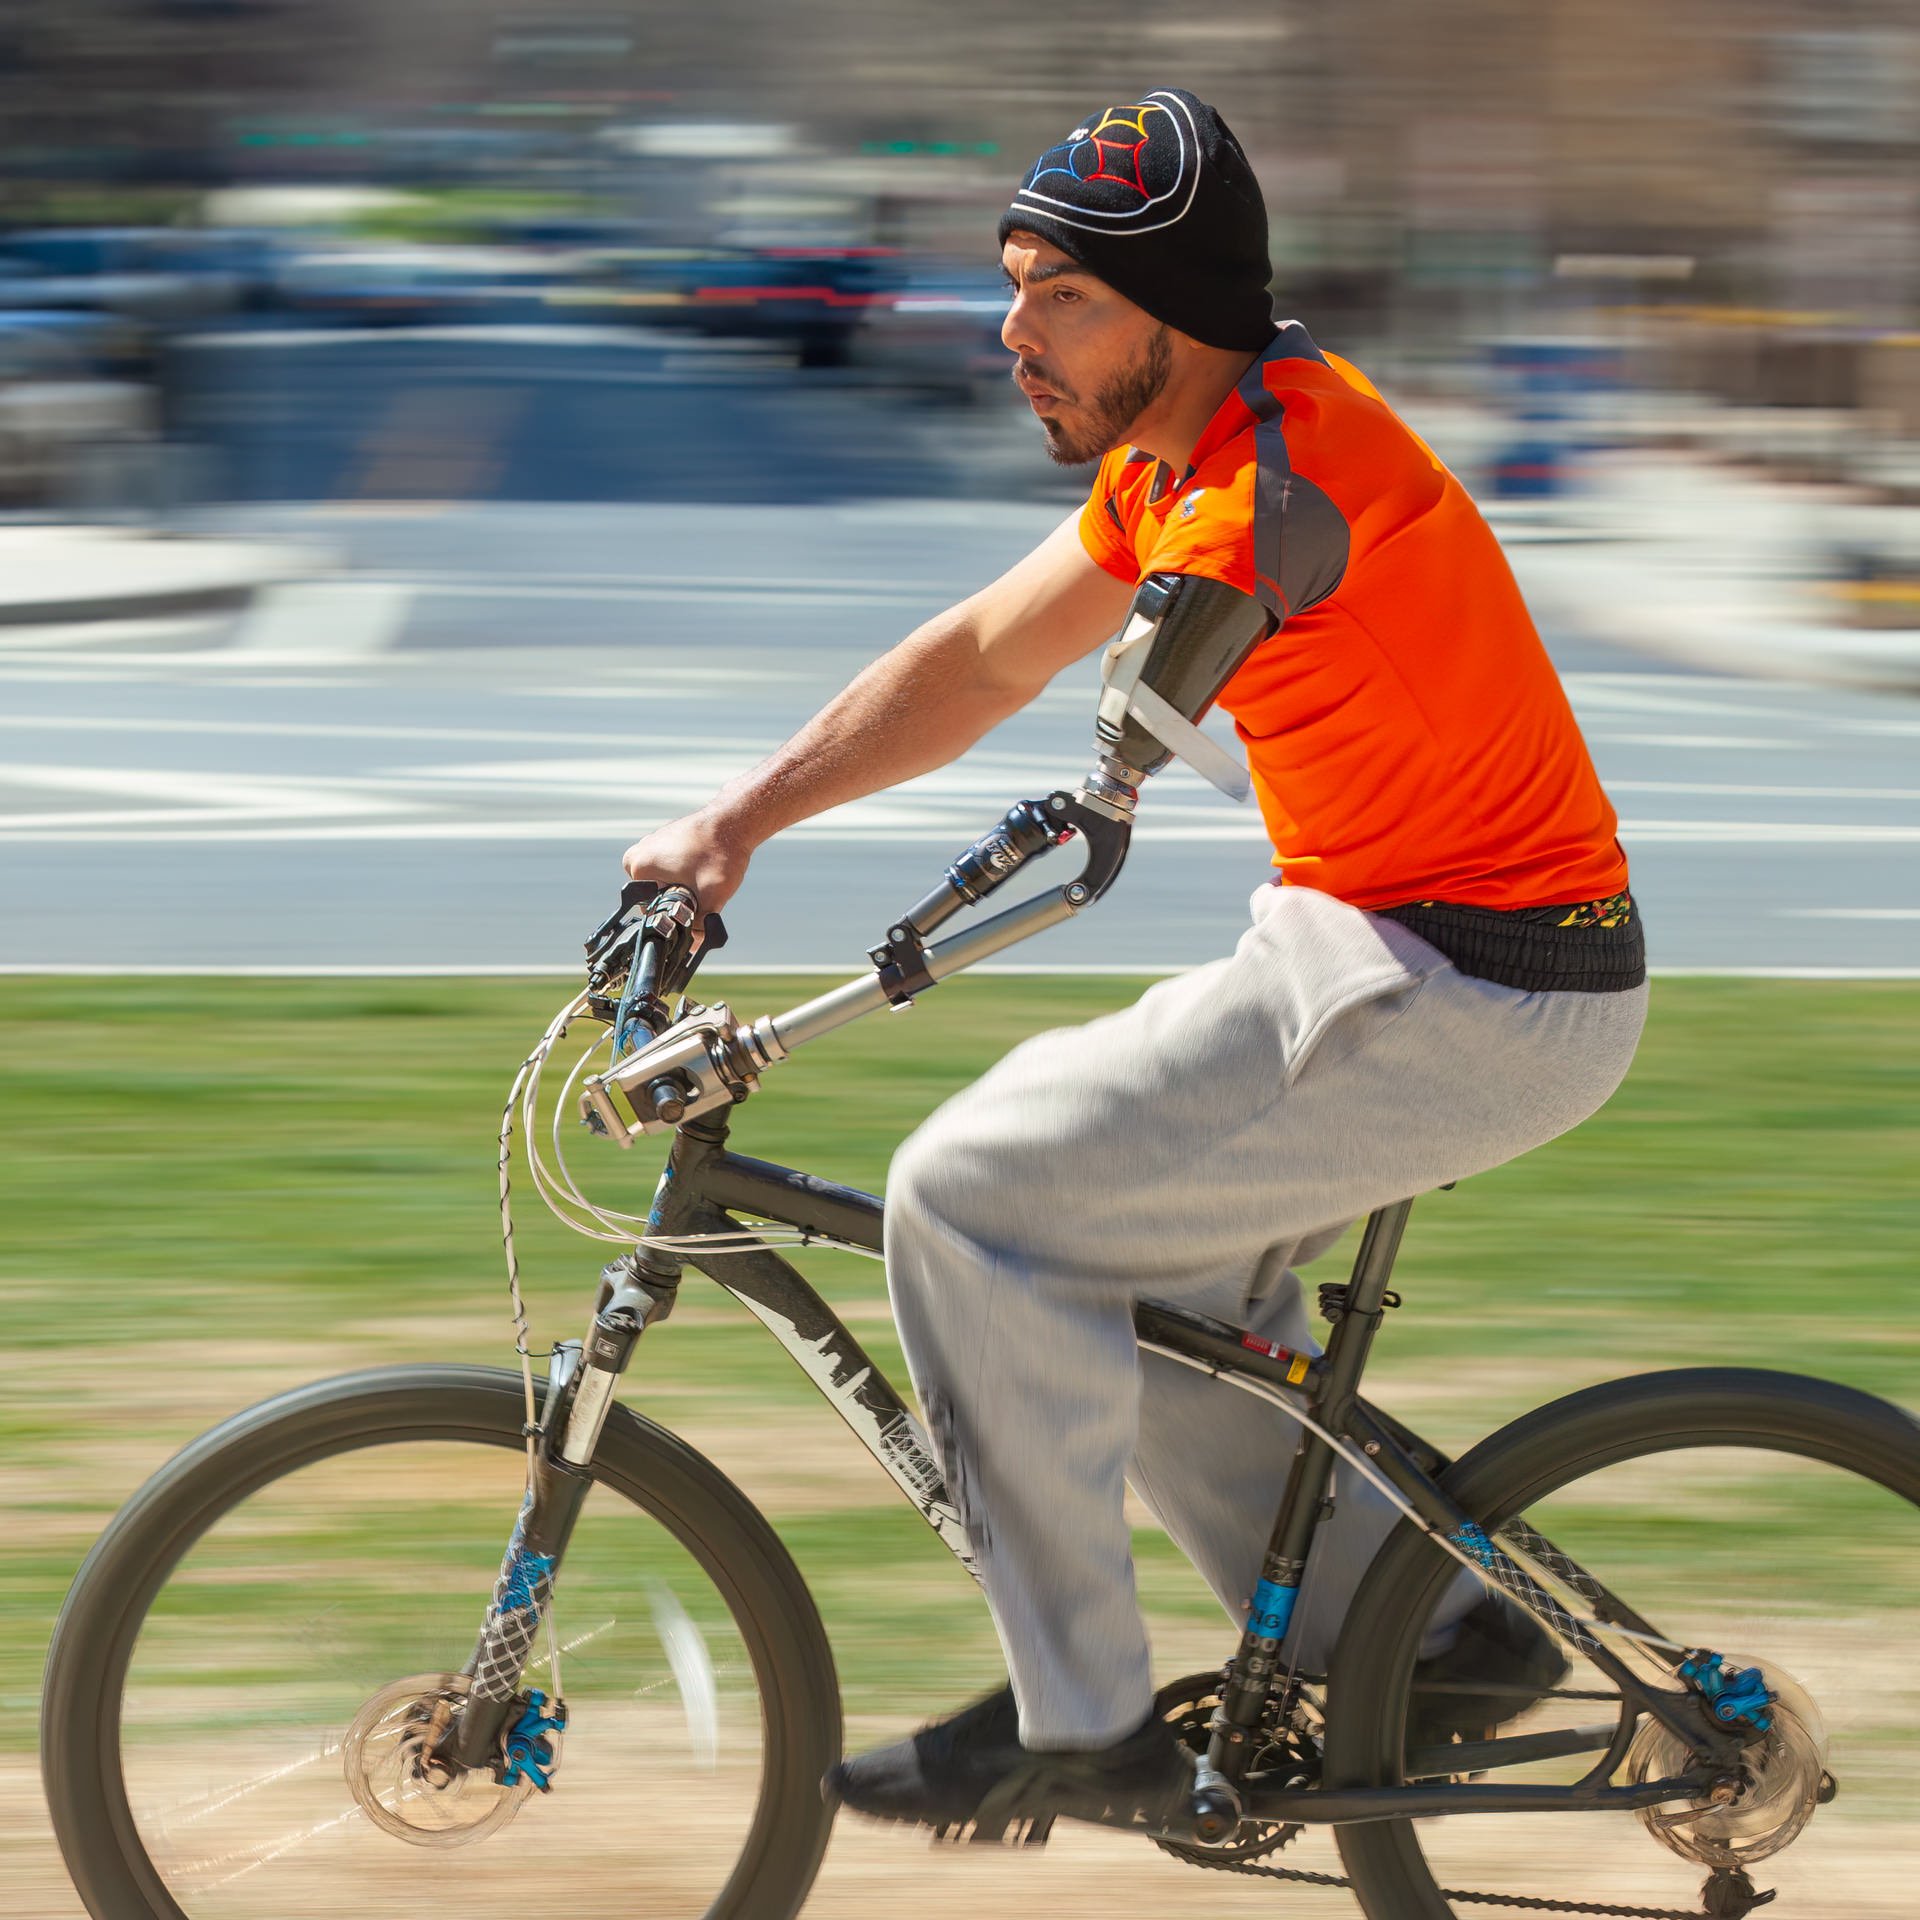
[1037,275]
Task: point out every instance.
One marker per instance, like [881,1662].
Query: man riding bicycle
[1447,971]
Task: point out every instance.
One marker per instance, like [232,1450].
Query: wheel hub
[400,1784]
[1757,1807]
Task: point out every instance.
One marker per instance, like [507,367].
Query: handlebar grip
[650,940]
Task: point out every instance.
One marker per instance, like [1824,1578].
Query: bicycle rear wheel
[1769,1517]
[242,1611]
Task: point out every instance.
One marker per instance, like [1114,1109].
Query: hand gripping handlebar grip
[644,951]
[1202,632]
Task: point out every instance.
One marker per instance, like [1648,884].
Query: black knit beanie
[1157,200]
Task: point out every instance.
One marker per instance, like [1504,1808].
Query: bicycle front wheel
[1764,1516]
[221,1664]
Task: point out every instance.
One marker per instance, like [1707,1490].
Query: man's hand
[699,851]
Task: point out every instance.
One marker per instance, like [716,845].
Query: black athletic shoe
[1501,1663]
[969,1776]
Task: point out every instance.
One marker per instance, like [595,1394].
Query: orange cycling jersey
[1407,735]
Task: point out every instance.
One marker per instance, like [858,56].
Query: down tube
[779,1297]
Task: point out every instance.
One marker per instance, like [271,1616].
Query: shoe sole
[999,1821]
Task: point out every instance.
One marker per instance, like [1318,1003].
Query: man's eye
[1065,293]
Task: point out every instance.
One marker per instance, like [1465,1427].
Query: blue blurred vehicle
[156,274]
[420,285]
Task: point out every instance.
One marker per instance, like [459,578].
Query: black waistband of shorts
[1594,946]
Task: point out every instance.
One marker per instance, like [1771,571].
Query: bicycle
[204,1757]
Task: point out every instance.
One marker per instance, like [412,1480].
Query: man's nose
[1018,334]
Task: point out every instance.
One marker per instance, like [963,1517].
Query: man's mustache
[1027,374]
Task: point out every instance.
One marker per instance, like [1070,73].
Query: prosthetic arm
[1184,640]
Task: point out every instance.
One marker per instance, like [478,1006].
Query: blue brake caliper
[1738,1696]
[529,1754]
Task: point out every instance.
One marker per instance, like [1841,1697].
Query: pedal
[1013,1833]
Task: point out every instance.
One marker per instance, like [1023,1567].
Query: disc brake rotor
[401,1788]
[1783,1776]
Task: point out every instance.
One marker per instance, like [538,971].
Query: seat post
[1373,1264]
[1362,1306]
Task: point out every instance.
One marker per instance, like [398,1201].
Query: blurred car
[109,344]
[55,409]
[419,286]
[813,300]
[155,274]
[939,333]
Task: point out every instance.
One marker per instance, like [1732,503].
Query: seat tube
[1235,1727]
[1235,1724]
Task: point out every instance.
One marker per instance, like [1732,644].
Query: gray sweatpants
[1194,1147]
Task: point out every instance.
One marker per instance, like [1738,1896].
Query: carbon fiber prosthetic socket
[1203,632]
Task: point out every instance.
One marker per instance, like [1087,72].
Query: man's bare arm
[917,707]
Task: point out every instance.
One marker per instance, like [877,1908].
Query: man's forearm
[920,705]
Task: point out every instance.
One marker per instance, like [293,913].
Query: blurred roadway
[436,761]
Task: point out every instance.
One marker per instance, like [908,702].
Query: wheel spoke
[1790,1555]
[257,1693]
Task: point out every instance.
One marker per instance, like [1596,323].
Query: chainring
[1188,1707]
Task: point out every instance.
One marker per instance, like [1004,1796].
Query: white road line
[801,587]
[1737,790]
[1846,913]
[1785,973]
[1680,682]
[1747,742]
[1607,692]
[328,730]
[559,972]
[123,829]
[1769,833]
[714,596]
[943,829]
[171,801]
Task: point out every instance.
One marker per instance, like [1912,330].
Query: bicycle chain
[1530,1903]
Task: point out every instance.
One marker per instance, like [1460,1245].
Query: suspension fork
[635,1292]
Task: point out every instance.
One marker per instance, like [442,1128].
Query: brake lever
[614,958]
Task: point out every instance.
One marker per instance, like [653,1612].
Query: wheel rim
[1773,1557]
[301,1602]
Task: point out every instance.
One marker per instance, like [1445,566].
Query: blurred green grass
[215,1188]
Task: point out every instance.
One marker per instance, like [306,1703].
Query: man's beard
[1119,401]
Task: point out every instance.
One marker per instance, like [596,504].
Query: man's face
[1090,362]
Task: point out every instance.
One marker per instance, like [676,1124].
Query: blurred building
[1451,139]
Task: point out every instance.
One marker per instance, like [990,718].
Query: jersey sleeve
[1246,520]
[1102,531]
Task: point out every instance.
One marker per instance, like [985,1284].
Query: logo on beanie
[1130,169]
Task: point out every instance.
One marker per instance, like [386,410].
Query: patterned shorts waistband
[1589,946]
